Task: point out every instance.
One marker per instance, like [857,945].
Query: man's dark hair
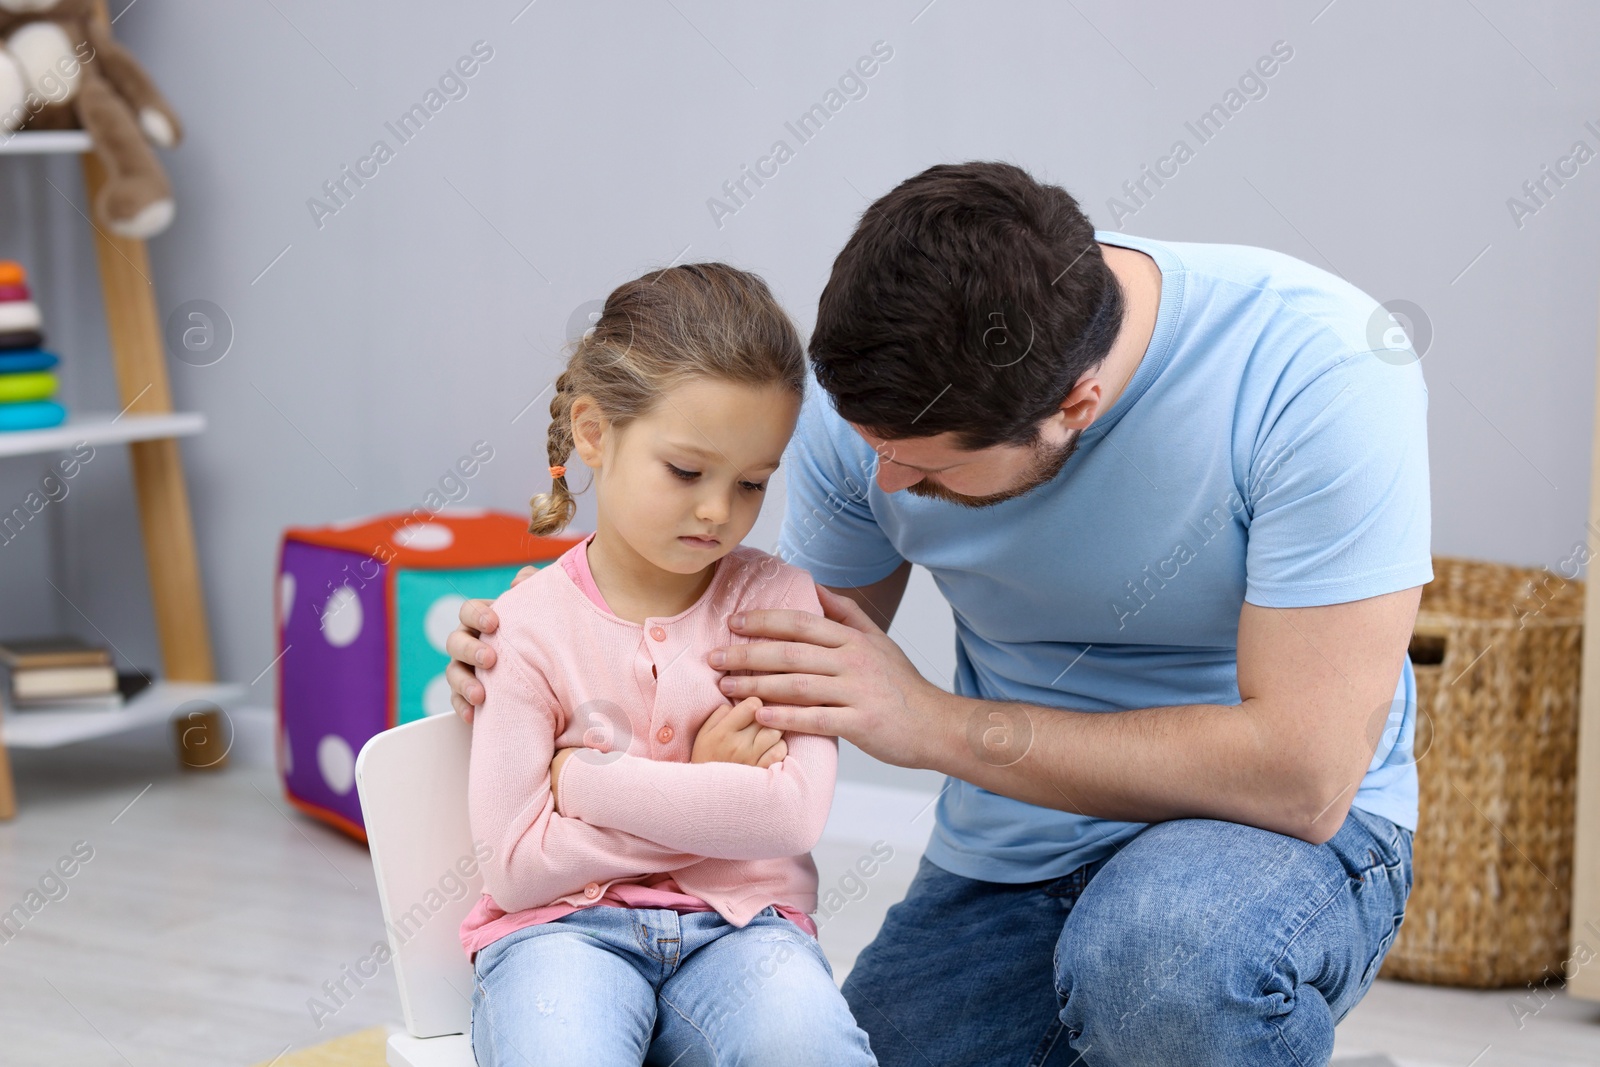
[969,300]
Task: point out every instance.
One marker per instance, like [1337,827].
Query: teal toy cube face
[427,606]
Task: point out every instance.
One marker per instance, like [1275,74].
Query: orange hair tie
[558,471]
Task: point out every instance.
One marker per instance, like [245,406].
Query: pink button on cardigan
[640,826]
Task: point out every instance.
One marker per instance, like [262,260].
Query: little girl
[647,900]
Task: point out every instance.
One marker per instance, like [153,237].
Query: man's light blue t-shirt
[1268,449]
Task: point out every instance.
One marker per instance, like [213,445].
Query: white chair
[413,786]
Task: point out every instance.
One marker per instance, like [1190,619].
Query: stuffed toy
[60,70]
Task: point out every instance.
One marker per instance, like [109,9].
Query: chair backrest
[413,786]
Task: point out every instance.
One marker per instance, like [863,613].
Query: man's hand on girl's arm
[1316,687]
[846,676]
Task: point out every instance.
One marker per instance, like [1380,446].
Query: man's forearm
[1146,765]
[1319,689]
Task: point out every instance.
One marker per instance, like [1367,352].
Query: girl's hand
[732,735]
[560,760]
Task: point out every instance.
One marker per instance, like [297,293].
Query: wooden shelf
[150,429]
[101,429]
[54,727]
[45,142]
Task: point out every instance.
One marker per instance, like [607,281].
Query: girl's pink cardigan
[639,824]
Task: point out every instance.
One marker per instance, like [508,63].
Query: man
[1177,498]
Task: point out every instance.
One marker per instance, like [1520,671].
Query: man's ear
[588,430]
[1082,406]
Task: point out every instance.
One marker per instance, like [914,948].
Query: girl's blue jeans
[620,987]
[1197,942]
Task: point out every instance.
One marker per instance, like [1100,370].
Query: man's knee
[1162,947]
[1139,978]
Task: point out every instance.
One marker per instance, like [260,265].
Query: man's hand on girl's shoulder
[466,651]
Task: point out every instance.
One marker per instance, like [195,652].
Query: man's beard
[1047,463]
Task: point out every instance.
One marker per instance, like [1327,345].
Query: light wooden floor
[211,913]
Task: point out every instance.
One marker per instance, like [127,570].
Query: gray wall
[427,313]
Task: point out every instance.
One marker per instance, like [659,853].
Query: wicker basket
[1497,654]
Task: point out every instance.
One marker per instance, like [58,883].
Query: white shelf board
[100,429]
[50,728]
[35,142]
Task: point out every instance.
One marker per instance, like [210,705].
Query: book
[27,653]
[51,682]
[74,703]
[129,685]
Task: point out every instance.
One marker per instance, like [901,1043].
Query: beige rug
[361,1049]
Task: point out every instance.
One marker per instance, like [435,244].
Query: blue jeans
[608,986]
[1198,942]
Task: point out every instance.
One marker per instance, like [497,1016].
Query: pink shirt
[640,826]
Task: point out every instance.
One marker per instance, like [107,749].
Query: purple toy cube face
[334,672]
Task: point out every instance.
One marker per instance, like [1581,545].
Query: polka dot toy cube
[363,610]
